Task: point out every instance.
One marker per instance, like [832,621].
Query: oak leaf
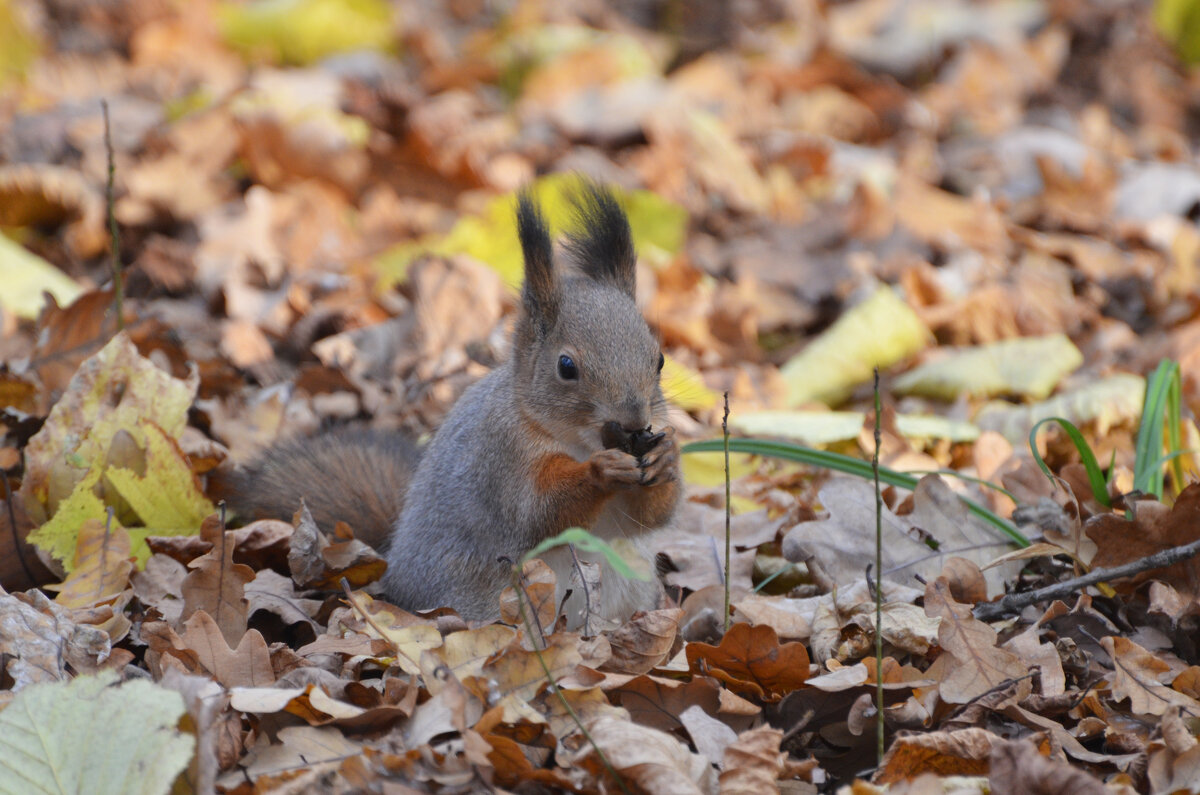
[979,665]
[751,660]
[1139,676]
[1154,528]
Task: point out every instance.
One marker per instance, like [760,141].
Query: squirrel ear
[540,294]
[602,246]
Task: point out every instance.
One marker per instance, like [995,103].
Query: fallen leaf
[216,585]
[1139,676]
[751,660]
[94,733]
[979,665]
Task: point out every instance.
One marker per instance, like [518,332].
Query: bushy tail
[353,475]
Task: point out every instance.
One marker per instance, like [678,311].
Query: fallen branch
[1016,602]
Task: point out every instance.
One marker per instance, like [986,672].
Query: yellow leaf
[658,228]
[167,498]
[103,563]
[26,276]
[685,388]
[115,390]
[708,469]
[58,536]
[878,332]
[304,31]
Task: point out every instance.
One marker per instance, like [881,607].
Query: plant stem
[879,734]
[113,233]
[728,509]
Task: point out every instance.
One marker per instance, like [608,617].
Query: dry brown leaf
[315,562]
[248,665]
[657,701]
[216,585]
[1138,675]
[1019,767]
[538,584]
[751,660]
[1176,766]
[39,640]
[651,760]
[959,753]
[644,641]
[979,665]
[1155,528]
[159,585]
[752,762]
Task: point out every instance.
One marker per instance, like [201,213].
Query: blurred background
[313,199]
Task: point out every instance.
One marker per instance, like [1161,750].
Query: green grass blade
[1094,473]
[1147,473]
[847,465]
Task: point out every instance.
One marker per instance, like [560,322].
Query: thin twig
[1014,603]
[612,771]
[113,233]
[728,508]
[879,726]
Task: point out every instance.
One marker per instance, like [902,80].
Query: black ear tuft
[540,295]
[602,244]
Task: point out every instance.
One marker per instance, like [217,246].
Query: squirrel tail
[354,475]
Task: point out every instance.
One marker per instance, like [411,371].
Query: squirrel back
[534,447]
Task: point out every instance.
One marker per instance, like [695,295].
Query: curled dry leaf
[644,641]
[752,762]
[315,562]
[752,661]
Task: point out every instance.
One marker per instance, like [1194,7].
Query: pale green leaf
[880,331]
[1027,367]
[829,427]
[586,542]
[1104,403]
[94,734]
[304,31]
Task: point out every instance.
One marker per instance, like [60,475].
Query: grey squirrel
[569,431]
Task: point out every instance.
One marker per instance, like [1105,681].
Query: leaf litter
[993,203]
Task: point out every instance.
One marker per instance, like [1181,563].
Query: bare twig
[728,508]
[113,233]
[879,725]
[1016,602]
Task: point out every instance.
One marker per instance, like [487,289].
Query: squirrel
[557,436]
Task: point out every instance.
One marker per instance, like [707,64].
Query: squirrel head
[582,353]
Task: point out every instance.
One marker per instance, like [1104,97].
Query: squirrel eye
[661,361]
[567,369]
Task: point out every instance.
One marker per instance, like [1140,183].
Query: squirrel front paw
[661,463]
[613,469]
